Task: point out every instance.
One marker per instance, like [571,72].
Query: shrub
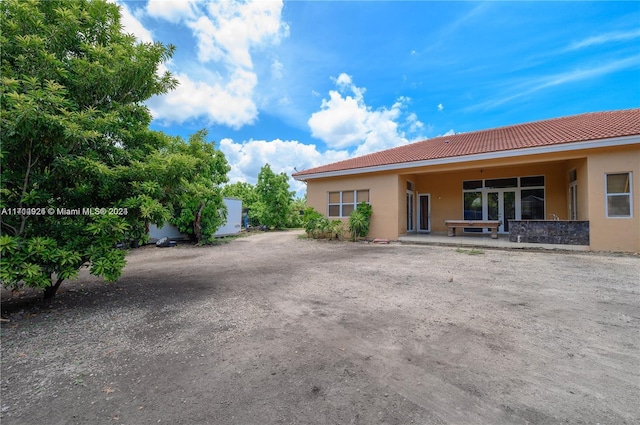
[310,220]
[318,226]
[360,220]
[336,228]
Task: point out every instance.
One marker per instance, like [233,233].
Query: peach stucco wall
[383,195]
[613,234]
[580,165]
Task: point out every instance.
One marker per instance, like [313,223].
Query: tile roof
[576,128]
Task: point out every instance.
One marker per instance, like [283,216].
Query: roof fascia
[563,147]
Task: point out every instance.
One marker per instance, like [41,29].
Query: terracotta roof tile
[576,128]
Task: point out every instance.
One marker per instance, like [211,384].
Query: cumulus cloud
[440,107]
[247,157]
[227,102]
[225,33]
[346,121]
[415,126]
[172,11]
[448,133]
[230,29]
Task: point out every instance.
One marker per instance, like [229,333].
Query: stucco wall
[613,234]
[383,193]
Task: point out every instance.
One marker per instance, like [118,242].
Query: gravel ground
[274,329]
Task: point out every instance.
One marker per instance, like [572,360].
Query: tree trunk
[197,226]
[50,291]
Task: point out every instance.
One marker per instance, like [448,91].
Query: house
[582,169]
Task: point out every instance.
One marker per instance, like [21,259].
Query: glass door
[424,213]
[410,209]
[501,205]
[573,201]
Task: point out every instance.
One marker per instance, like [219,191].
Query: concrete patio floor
[483,241]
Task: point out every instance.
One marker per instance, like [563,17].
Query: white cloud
[343,81]
[226,34]
[345,121]
[605,38]
[246,158]
[440,107]
[448,133]
[536,84]
[226,102]
[415,126]
[277,69]
[172,11]
[233,28]
[132,25]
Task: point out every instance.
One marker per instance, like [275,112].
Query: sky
[305,83]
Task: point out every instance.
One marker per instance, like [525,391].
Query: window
[504,199]
[532,181]
[501,183]
[618,193]
[342,204]
[471,184]
[473,206]
[532,204]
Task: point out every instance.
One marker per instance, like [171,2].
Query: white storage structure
[233,226]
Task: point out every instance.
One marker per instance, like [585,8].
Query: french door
[573,201]
[410,210]
[501,205]
[424,213]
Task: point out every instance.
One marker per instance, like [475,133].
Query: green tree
[296,213]
[198,205]
[274,205]
[74,135]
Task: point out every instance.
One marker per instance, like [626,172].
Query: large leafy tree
[74,135]
[196,200]
[242,190]
[274,206]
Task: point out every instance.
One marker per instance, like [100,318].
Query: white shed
[233,226]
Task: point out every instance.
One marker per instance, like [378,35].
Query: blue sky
[301,84]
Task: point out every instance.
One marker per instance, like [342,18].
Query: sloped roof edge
[618,141]
[585,131]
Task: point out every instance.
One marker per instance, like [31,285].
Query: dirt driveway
[273,329]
